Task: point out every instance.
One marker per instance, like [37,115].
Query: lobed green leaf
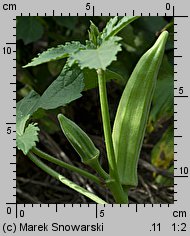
[26,137]
[100,57]
[54,54]
[24,109]
[27,140]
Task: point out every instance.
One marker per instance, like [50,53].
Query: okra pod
[78,139]
[133,110]
[82,144]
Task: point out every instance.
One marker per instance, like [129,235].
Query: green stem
[64,180]
[113,184]
[120,196]
[65,165]
[106,123]
[97,167]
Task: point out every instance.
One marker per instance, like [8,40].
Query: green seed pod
[133,110]
[80,141]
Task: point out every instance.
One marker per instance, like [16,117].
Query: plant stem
[97,167]
[120,196]
[106,123]
[114,183]
[64,180]
[65,165]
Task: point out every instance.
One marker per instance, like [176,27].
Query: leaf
[164,94]
[54,54]
[91,79]
[162,156]
[66,88]
[100,57]
[163,152]
[165,181]
[93,33]
[24,109]
[115,25]
[28,105]
[29,29]
[27,139]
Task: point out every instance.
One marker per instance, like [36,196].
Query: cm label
[179,214]
[9,7]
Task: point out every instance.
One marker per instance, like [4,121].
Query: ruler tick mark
[173,11]
[16,211]
[181,176]
[181,16]
[181,96]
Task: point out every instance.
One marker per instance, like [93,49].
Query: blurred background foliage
[36,34]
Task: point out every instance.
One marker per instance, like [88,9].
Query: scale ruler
[46,219]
